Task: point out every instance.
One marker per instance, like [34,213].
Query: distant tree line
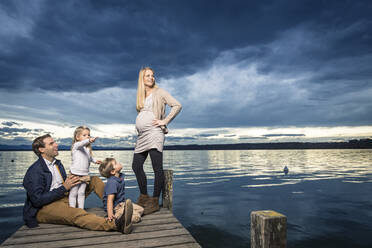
[351,144]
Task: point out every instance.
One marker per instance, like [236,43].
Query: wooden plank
[41,237]
[185,245]
[88,238]
[147,243]
[158,229]
[144,219]
[157,221]
[46,231]
[67,229]
[44,226]
[168,226]
[157,215]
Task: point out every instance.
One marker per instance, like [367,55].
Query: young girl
[81,150]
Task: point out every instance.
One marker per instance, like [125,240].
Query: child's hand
[110,218]
[98,162]
[91,140]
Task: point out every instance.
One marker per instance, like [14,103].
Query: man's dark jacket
[37,183]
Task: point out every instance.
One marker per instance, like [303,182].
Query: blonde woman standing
[151,125]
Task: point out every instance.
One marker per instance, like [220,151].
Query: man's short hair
[106,167]
[39,143]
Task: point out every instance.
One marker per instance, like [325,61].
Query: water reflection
[208,167]
[267,165]
[214,191]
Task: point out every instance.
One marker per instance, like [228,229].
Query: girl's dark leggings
[157,166]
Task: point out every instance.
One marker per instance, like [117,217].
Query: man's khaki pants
[59,212]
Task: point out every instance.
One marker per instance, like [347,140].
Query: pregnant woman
[151,125]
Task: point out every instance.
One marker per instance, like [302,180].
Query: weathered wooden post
[268,229]
[168,190]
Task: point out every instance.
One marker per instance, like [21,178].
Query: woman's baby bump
[144,121]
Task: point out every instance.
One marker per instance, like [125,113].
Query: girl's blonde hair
[141,93]
[77,132]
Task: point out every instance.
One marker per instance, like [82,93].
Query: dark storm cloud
[252,138]
[11,130]
[230,63]
[10,123]
[8,132]
[88,45]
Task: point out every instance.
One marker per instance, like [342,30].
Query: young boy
[114,201]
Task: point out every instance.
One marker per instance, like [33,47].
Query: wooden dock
[160,229]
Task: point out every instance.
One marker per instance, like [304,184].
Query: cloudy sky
[244,71]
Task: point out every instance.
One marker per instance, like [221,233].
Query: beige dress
[149,136]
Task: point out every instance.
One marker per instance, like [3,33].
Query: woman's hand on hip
[158,123]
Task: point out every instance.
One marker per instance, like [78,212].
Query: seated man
[47,189]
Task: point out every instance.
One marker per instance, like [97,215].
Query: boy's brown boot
[142,200]
[152,205]
[128,212]
[124,223]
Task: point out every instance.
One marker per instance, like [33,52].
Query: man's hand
[71,181]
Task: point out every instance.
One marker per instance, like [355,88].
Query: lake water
[327,195]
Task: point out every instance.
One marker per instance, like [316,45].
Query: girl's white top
[81,158]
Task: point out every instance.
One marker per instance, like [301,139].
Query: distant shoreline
[351,144]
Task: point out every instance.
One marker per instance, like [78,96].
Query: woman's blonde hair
[77,132]
[141,93]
